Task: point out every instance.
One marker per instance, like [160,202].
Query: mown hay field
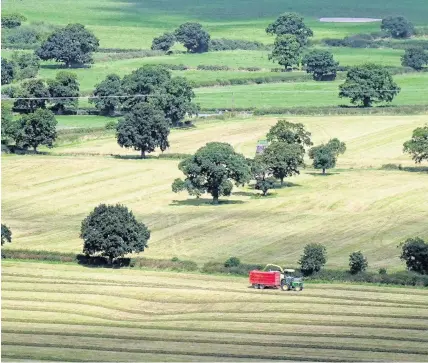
[133,24]
[72,313]
[356,207]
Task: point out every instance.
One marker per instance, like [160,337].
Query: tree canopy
[212,169]
[6,234]
[415,254]
[418,145]
[110,86]
[415,58]
[32,94]
[64,90]
[325,155]
[26,65]
[368,84]
[35,129]
[398,27]
[261,173]
[7,71]
[321,64]
[193,37]
[357,262]
[113,231]
[163,42]
[286,51]
[72,45]
[8,126]
[291,23]
[313,259]
[290,133]
[153,84]
[144,128]
[283,160]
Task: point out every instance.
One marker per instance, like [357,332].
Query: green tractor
[288,280]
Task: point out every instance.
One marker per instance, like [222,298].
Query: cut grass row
[34,326]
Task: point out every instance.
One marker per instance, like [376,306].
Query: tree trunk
[367,102]
[110,260]
[35,148]
[143,154]
[323,170]
[282,181]
[215,197]
[60,110]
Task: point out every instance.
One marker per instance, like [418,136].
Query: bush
[234,44]
[232,262]
[207,67]
[12,20]
[382,271]
[111,125]
[314,257]
[357,262]
[176,67]
[250,69]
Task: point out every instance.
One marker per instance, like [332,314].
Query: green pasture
[133,24]
[414,88]
[72,313]
[89,77]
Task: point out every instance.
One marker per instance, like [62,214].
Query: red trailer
[261,279]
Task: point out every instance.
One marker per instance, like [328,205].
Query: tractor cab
[288,279]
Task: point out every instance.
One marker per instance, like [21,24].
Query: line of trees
[414,252]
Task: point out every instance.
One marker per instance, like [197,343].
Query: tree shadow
[286,185]
[321,174]
[244,194]
[415,169]
[203,202]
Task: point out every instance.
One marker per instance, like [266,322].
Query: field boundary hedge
[404,278]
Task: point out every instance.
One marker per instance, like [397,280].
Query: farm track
[128,315]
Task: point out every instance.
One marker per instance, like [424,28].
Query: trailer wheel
[261,287]
[283,285]
[254,286]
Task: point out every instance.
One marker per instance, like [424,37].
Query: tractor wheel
[301,288]
[283,285]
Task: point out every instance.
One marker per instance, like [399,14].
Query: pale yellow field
[68,312]
[356,207]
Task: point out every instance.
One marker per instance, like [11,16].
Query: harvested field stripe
[225,342]
[355,299]
[229,311]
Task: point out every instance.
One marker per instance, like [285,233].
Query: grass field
[113,21]
[357,206]
[89,77]
[128,315]
[414,88]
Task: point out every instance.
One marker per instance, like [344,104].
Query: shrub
[208,67]
[111,125]
[12,20]
[357,262]
[176,67]
[232,262]
[250,69]
[234,44]
[314,257]
[382,271]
